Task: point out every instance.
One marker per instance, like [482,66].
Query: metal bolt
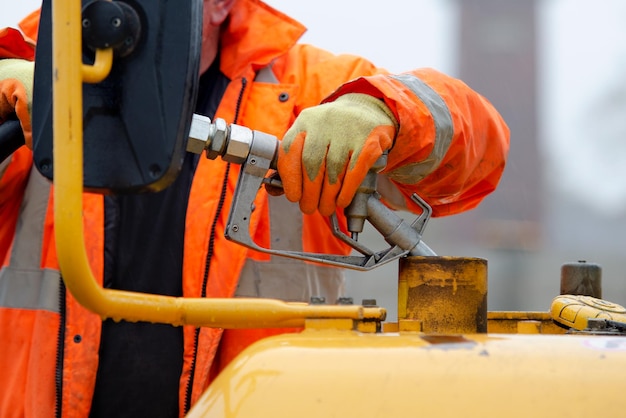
[45,165]
[318,300]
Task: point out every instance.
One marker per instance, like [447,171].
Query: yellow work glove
[327,152]
[16,92]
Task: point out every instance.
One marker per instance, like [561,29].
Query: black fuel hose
[11,137]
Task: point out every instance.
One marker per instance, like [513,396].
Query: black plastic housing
[136,122]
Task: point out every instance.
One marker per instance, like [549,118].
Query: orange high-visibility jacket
[450,148]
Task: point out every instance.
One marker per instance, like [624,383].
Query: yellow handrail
[69,73]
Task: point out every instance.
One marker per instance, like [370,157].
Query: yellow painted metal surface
[324,373]
[574,310]
[101,67]
[508,322]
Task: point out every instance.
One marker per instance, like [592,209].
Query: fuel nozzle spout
[357,211]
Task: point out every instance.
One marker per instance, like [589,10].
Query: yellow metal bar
[69,73]
[507,322]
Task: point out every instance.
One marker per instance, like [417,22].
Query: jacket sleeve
[14,170]
[451,145]
[14,45]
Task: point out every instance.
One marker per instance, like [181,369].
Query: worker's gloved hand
[16,92]
[328,150]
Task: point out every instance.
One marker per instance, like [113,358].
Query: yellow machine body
[446,357]
[324,373]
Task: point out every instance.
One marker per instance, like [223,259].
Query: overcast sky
[13,11]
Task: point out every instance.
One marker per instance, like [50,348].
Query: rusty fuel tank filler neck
[442,295]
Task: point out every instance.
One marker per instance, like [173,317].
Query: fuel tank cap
[574,311]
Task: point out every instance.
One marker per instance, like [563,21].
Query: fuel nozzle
[257,153]
[357,211]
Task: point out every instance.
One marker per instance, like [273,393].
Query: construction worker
[336,115]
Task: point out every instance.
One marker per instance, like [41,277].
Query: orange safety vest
[450,148]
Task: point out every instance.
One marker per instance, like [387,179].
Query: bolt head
[199,134]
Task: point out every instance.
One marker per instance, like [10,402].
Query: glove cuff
[20,70]
[366,100]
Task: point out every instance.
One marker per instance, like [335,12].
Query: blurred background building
[555,70]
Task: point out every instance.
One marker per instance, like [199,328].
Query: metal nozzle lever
[273,181]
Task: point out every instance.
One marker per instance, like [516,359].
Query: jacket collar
[254,35]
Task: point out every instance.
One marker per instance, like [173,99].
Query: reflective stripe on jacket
[450,148]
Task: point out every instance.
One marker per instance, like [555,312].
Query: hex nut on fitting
[218,142]
[239,144]
[199,134]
